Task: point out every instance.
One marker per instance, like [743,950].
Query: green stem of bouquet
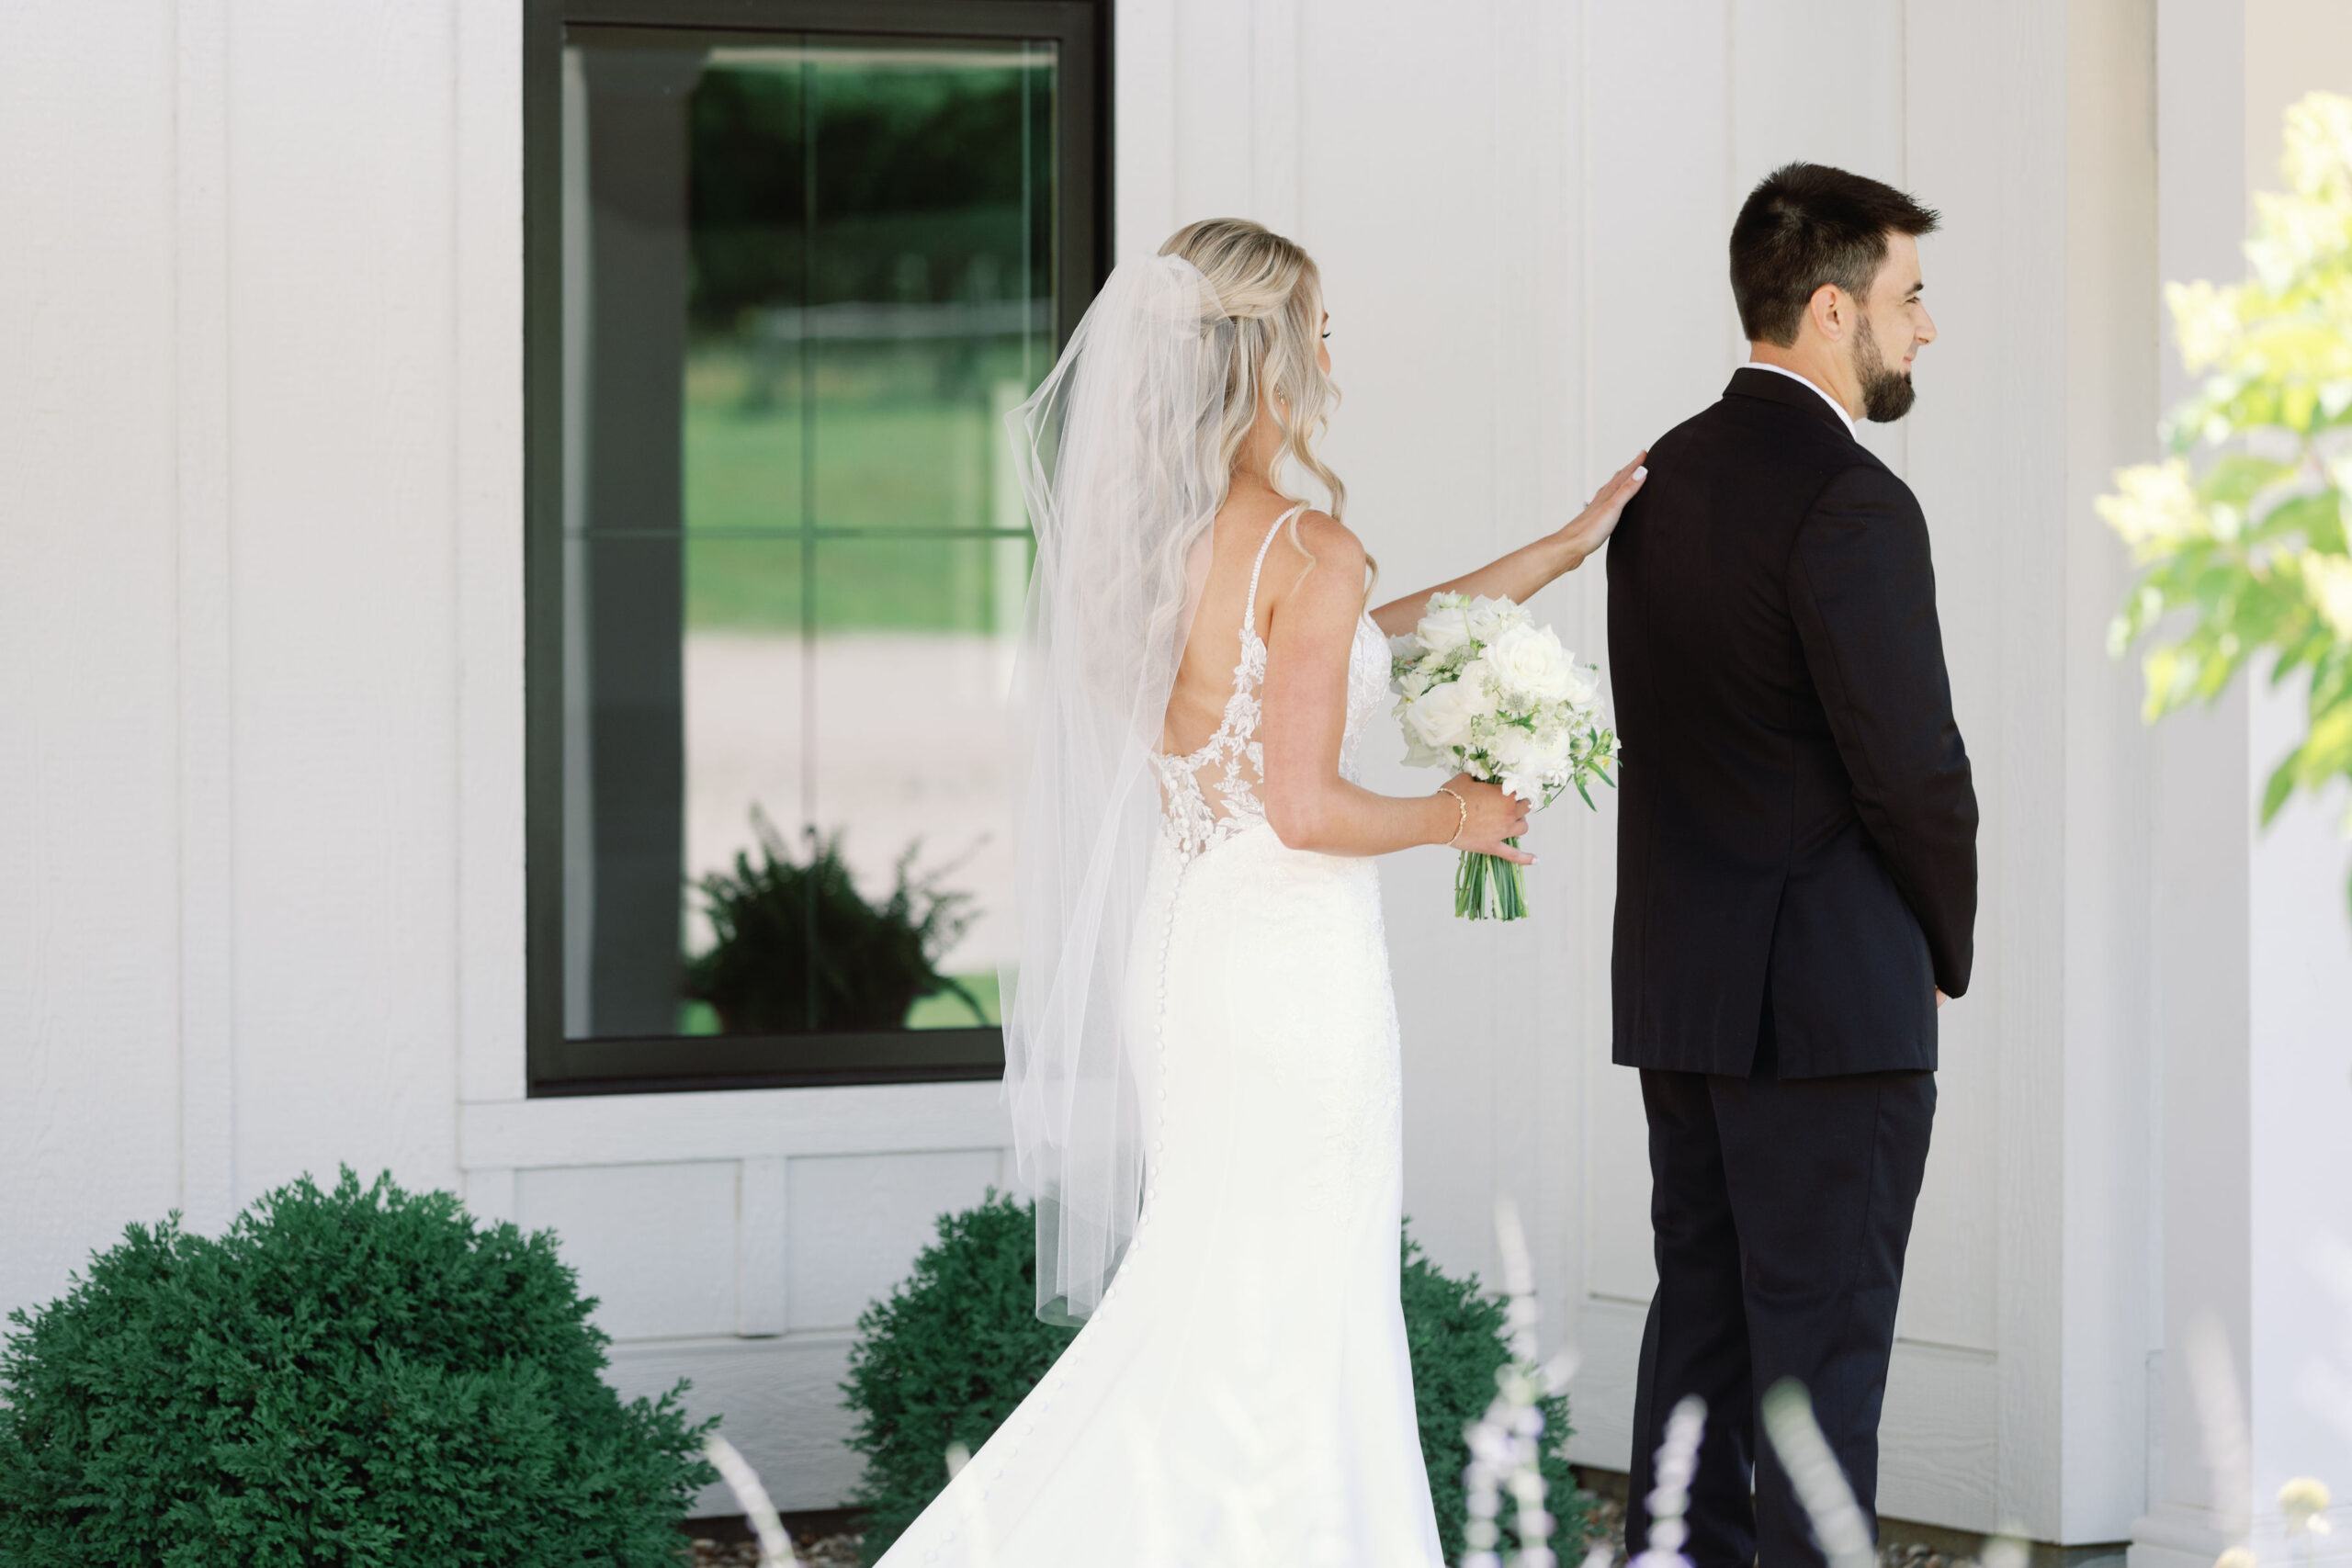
[1489,887]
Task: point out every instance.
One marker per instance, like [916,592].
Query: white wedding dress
[1242,1395]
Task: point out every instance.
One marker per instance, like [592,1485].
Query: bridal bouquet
[1481,690]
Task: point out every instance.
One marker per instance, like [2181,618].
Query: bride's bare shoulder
[1321,546]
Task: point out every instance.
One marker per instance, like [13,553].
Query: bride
[1201,1045]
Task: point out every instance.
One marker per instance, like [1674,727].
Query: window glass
[804,280]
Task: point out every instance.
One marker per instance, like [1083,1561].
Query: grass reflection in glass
[885,464]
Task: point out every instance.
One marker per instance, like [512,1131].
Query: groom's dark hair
[1805,225]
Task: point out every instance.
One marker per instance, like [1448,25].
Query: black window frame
[555,1066]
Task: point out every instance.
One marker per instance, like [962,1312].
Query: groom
[1796,859]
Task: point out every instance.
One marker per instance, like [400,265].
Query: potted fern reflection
[798,950]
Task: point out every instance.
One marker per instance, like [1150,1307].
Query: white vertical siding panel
[1144,189]
[89,815]
[1988,447]
[487,420]
[1661,319]
[1213,162]
[1277,97]
[340,136]
[1658,80]
[1558,989]
[1611,1173]
[1539,462]
[2107,1254]
[2199,827]
[207,812]
[1402,193]
[1781,49]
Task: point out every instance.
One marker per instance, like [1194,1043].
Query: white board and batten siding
[261,630]
[1521,210]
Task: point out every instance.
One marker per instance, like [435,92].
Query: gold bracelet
[1464,821]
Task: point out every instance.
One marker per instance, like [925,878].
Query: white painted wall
[260,658]
[1522,231]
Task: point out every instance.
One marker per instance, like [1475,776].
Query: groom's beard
[1887,393]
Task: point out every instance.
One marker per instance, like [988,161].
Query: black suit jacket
[1796,842]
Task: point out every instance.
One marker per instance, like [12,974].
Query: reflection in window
[803,282]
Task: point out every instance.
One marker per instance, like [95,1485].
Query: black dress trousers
[1781,1212]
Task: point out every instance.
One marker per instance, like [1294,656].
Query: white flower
[1554,751]
[1510,747]
[1417,755]
[2155,510]
[1441,717]
[1478,687]
[1489,618]
[2329,578]
[2205,318]
[1443,628]
[2305,1502]
[1530,661]
[2318,160]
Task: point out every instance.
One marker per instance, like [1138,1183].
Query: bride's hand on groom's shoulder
[1592,526]
[1488,816]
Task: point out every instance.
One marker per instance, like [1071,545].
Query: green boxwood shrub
[1459,1342]
[361,1377]
[945,1358]
[956,1347]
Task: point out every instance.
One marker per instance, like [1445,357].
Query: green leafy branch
[2247,551]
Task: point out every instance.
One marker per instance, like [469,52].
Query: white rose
[1440,717]
[1487,617]
[1582,684]
[1443,629]
[1530,660]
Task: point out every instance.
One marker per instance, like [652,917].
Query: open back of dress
[1214,792]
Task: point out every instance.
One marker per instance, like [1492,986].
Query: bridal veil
[1117,456]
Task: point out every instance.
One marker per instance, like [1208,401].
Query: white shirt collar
[1807,381]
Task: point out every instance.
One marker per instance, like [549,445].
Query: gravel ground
[840,1550]
[814,1550]
[1893,1550]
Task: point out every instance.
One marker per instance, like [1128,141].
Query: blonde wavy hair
[1274,293]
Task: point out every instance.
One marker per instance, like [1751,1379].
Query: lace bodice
[1233,763]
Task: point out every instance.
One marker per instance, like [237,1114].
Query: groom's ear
[1831,310]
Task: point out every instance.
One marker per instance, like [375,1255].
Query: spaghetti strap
[1192,823]
[1249,608]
